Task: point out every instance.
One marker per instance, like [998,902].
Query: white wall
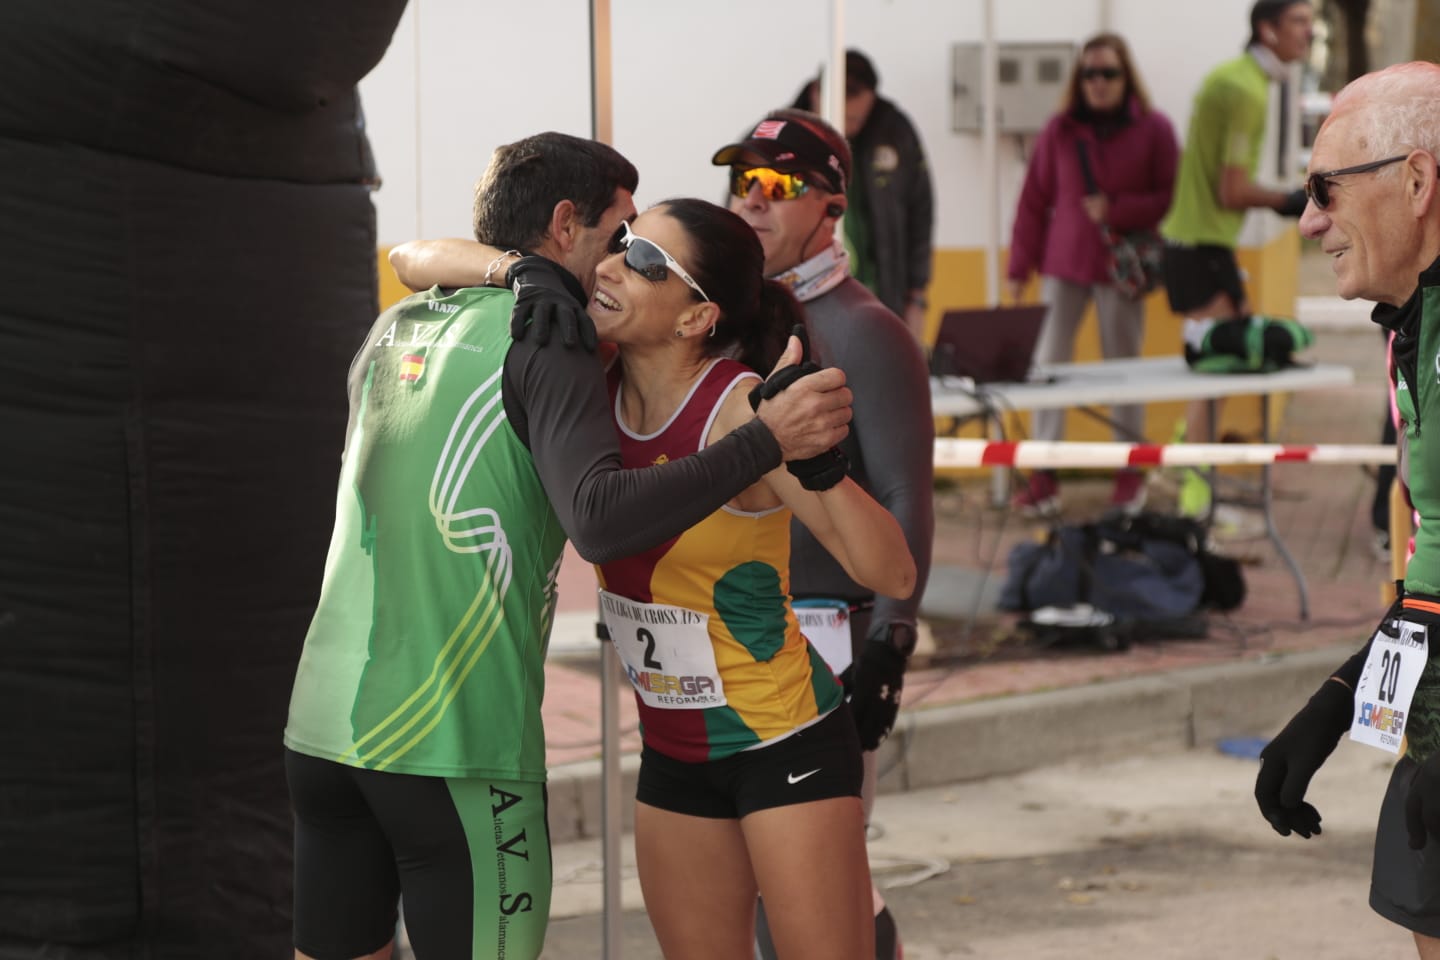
[691,76]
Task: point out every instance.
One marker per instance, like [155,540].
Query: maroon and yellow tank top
[703,621]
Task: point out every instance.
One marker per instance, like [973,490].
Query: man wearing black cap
[788,180]
[888,224]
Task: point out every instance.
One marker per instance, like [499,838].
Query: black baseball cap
[789,145]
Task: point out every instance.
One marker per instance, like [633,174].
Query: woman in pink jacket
[1105,123]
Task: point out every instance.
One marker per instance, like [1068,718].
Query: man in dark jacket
[891,211]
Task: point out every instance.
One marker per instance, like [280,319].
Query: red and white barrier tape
[1035,454]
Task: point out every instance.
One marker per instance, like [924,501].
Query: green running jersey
[425,655]
[1416,373]
[1227,129]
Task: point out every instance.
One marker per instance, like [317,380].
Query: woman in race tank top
[751,771]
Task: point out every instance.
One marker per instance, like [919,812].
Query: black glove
[1422,803]
[1294,203]
[547,298]
[1289,761]
[780,380]
[814,473]
[874,681]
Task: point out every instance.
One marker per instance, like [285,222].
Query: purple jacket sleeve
[1037,196]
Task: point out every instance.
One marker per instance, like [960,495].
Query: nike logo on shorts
[791,779]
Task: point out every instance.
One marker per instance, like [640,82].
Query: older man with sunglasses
[1374,207]
[788,179]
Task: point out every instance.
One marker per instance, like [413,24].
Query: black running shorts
[1194,275]
[817,763]
[472,857]
[1404,883]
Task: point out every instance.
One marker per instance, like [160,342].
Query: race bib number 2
[666,651]
[1387,685]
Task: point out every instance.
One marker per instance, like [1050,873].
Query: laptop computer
[988,344]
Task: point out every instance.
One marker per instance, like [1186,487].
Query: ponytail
[763,340]
[728,262]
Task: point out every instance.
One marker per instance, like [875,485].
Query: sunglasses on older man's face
[649,259]
[774,185]
[1317,185]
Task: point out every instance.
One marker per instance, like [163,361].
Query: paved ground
[1161,857]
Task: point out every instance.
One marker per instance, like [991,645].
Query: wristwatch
[901,637]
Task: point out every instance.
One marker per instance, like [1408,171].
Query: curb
[1161,713]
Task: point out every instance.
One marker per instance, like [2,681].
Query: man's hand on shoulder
[812,414]
[548,299]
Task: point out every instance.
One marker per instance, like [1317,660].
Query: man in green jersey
[415,749]
[1375,209]
[1216,184]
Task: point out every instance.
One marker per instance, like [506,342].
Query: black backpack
[1148,568]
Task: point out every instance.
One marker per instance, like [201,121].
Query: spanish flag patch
[411,366]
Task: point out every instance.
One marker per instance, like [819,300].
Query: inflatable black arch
[188,263]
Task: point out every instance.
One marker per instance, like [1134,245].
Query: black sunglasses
[649,259]
[1317,185]
[1104,73]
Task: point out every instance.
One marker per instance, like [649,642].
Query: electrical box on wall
[1029,83]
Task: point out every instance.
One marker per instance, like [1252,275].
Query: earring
[679,333]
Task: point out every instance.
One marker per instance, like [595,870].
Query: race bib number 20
[1387,685]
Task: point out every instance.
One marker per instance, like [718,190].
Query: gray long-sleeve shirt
[891,443]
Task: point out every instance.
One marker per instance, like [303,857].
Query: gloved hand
[814,473]
[1422,803]
[548,298]
[1289,761]
[874,681]
[1294,203]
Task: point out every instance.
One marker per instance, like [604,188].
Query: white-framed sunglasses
[649,259]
